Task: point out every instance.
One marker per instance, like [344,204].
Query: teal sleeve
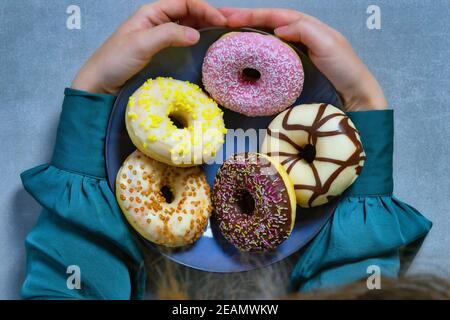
[370,227]
[81,231]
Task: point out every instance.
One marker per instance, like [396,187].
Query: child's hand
[328,50]
[152,28]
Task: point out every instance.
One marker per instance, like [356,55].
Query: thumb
[148,42]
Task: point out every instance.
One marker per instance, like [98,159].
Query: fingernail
[281,31]
[192,35]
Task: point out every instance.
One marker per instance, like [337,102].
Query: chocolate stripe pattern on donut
[313,134]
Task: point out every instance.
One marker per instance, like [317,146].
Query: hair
[420,287]
[171,281]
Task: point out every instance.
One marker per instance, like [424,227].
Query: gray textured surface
[409,55]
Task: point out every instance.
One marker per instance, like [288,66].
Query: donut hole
[178,121]
[167,194]
[251,75]
[309,153]
[245,202]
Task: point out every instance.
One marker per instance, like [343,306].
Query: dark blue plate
[212,252]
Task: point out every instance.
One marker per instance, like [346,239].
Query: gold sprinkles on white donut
[143,187]
[156,108]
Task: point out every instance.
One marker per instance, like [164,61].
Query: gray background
[39,56]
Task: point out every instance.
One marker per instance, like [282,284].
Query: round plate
[212,252]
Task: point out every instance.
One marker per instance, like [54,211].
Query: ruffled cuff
[369,225]
[81,133]
[81,225]
[363,232]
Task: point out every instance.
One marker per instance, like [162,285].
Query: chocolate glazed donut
[254,202]
[299,147]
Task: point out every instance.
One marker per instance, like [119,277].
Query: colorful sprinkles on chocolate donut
[254,202]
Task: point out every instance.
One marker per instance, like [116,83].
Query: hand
[328,50]
[133,45]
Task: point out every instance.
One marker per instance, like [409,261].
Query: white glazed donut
[141,187]
[152,111]
[320,149]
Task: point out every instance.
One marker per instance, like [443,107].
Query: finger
[227,11]
[172,10]
[205,13]
[193,23]
[150,41]
[316,35]
[267,18]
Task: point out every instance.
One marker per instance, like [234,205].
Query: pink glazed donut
[253,74]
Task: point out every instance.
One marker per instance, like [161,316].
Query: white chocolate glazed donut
[140,186]
[150,123]
[320,149]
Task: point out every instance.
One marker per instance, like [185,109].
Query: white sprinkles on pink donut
[279,82]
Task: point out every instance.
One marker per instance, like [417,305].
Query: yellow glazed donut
[175,122]
[320,149]
[167,205]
